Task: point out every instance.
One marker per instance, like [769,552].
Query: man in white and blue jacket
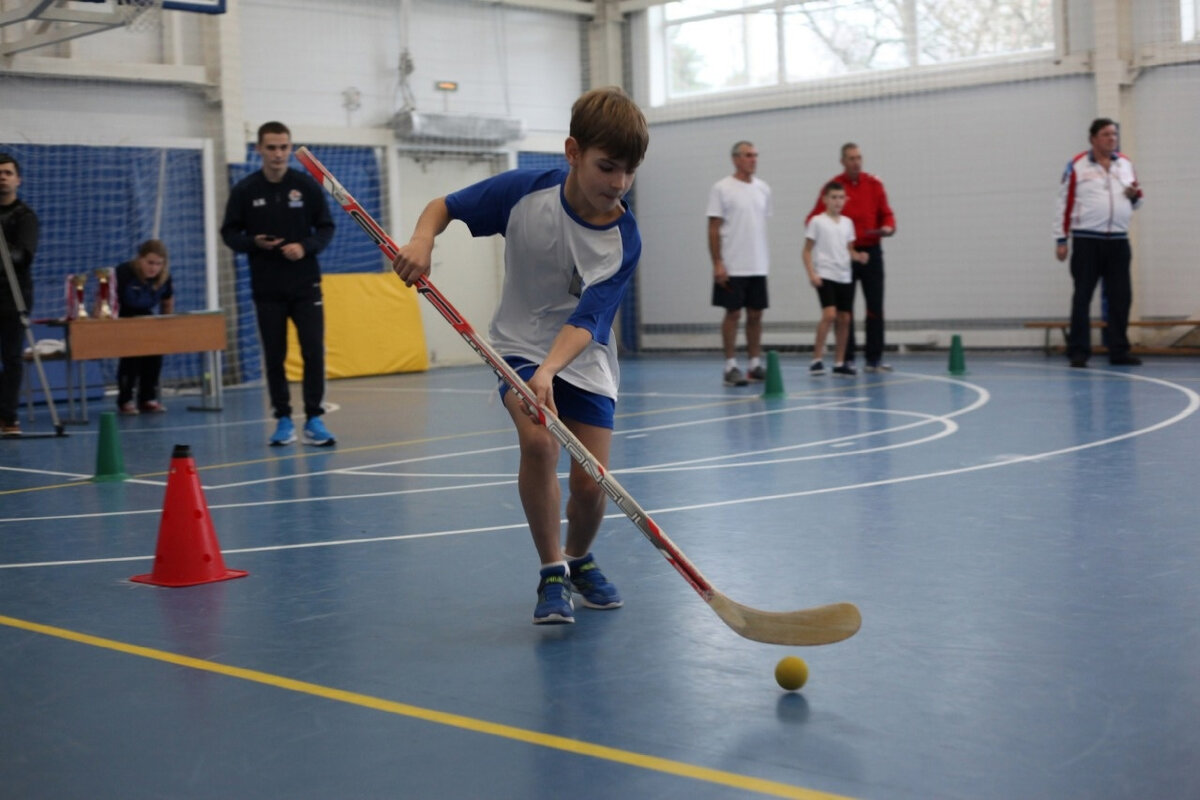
[1096,199]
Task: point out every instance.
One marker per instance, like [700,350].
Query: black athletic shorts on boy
[839,295]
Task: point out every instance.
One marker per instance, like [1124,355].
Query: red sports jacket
[866,206]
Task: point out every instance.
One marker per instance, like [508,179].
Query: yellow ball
[791,673]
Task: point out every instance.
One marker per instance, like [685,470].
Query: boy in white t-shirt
[828,249]
[571,248]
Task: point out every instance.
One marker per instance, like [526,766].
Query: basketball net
[141,15]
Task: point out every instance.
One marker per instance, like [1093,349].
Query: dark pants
[142,372]
[12,362]
[1091,261]
[870,275]
[308,314]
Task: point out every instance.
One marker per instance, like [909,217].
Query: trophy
[76,306]
[104,301]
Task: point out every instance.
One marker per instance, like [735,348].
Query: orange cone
[188,552]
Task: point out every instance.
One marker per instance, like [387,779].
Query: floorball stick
[808,626]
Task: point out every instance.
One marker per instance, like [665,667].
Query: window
[726,52]
[832,38]
[955,30]
[717,45]
[1189,19]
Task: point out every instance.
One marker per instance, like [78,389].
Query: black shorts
[840,295]
[741,292]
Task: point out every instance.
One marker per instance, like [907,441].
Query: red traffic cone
[188,552]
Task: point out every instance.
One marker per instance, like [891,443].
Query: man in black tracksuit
[279,218]
[20,227]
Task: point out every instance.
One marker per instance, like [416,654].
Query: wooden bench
[1063,325]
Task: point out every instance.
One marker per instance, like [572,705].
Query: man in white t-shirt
[828,251]
[738,207]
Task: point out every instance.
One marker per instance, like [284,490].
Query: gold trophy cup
[104,306]
[76,304]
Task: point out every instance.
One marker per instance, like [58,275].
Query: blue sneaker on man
[285,432]
[554,598]
[588,581]
[317,435]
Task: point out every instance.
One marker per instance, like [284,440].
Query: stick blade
[808,626]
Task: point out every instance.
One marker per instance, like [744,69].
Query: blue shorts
[572,402]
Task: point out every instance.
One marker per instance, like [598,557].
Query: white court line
[365,469]
[257,503]
[692,464]
[77,476]
[371,474]
[982,399]
[1191,408]
[45,472]
[353,470]
[492,391]
[299,546]
[131,431]
[413,390]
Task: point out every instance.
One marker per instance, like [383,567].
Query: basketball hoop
[141,15]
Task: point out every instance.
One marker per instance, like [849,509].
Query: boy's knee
[586,491]
[540,445]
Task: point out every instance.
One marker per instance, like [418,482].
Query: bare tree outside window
[714,45]
[956,30]
[833,38]
[724,52]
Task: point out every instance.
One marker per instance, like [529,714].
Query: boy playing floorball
[571,247]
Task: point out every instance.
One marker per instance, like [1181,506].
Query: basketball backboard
[198,6]
[60,22]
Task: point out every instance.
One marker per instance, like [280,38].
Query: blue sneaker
[554,598]
[316,434]
[285,432]
[587,580]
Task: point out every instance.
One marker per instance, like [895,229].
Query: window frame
[660,32]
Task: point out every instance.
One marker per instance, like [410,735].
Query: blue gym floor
[1021,540]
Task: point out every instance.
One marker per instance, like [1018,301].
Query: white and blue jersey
[558,270]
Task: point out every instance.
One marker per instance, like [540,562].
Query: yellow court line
[85,482]
[653,763]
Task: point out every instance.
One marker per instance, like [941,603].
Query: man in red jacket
[867,207]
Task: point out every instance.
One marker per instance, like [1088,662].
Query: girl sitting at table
[142,284]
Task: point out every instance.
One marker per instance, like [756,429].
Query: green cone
[110,464]
[774,383]
[958,364]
